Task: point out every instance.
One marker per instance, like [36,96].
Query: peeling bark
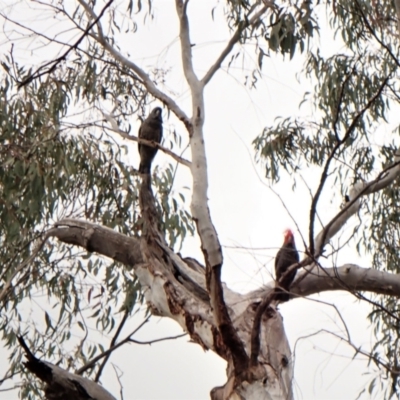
[245,330]
[348,277]
[99,239]
[165,284]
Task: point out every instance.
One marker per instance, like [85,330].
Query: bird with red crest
[286,256]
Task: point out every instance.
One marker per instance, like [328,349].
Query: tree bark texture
[177,289]
[214,316]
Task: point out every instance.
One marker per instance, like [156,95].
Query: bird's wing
[277,259]
[160,133]
[140,135]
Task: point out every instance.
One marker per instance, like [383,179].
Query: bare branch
[150,143]
[255,332]
[121,390]
[186,47]
[150,342]
[348,276]
[211,247]
[113,341]
[53,64]
[128,339]
[11,388]
[384,179]
[61,383]
[106,353]
[99,239]
[247,22]
[324,175]
[358,350]
[147,82]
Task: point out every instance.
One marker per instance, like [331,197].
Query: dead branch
[61,384]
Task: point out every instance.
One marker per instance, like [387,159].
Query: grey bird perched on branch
[151,129]
[286,256]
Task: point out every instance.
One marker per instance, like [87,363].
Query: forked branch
[247,22]
[210,245]
[146,80]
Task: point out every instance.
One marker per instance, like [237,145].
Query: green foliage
[290,29]
[287,28]
[57,161]
[355,96]
[176,221]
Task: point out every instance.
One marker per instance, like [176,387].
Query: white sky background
[245,212]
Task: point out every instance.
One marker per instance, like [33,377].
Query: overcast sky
[246,213]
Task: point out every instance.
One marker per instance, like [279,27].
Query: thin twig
[147,81]
[54,63]
[128,339]
[357,349]
[244,24]
[110,350]
[373,33]
[113,341]
[121,390]
[7,285]
[324,175]
[150,143]
[150,342]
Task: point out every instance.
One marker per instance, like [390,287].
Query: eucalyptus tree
[84,230]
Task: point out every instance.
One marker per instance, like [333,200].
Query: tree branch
[61,383]
[150,143]
[255,332]
[247,22]
[38,74]
[186,47]
[348,276]
[147,82]
[99,239]
[107,353]
[7,286]
[210,245]
[113,341]
[324,175]
[384,179]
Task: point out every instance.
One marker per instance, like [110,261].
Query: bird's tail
[144,168]
[281,295]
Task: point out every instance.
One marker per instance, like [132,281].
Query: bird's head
[156,114]
[288,236]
